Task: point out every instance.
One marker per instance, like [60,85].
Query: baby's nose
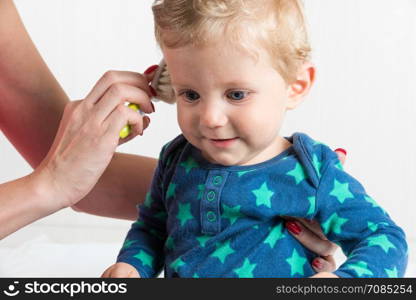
[213,116]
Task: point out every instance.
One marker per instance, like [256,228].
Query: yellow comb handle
[127,129]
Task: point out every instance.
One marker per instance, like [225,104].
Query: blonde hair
[277,25]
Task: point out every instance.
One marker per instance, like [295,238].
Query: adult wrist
[41,184]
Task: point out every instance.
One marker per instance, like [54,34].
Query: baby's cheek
[261,129]
[259,122]
[185,120]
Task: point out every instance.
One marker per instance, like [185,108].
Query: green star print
[189,164]
[184,213]
[145,258]
[201,189]
[231,213]
[246,270]
[274,235]
[202,240]
[374,203]
[177,263]
[392,273]
[222,251]
[298,173]
[161,215]
[334,223]
[139,223]
[317,164]
[373,226]
[382,241]
[312,205]
[263,195]
[171,191]
[128,243]
[148,201]
[169,243]
[341,191]
[296,263]
[360,268]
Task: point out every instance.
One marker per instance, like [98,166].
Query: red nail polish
[293,228]
[152,90]
[317,264]
[151,69]
[341,150]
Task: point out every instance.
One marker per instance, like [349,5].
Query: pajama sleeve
[374,245]
[144,244]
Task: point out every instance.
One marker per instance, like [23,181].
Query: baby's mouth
[223,143]
[219,140]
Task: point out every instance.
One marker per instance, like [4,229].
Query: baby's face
[230,105]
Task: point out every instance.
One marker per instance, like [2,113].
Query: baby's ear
[298,89]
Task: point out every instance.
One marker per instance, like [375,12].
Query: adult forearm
[24,201]
[122,186]
[31,100]
[31,107]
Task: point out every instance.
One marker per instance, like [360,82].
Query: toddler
[221,188]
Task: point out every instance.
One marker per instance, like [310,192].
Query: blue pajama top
[206,220]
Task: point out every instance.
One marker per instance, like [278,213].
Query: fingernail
[341,150]
[317,264]
[293,227]
[152,90]
[153,106]
[147,122]
[151,69]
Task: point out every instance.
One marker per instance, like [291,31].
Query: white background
[363,101]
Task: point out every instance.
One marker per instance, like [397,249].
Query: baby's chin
[225,159]
[219,159]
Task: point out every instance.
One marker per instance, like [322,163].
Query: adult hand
[310,235]
[89,134]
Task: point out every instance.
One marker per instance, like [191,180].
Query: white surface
[42,256]
[363,100]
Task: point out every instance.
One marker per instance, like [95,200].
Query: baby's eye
[191,95]
[237,95]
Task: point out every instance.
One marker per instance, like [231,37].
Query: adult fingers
[310,240]
[119,93]
[112,77]
[324,264]
[121,116]
[312,225]
[150,72]
[136,130]
[342,155]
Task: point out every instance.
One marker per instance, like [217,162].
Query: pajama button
[217,180]
[211,195]
[211,216]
